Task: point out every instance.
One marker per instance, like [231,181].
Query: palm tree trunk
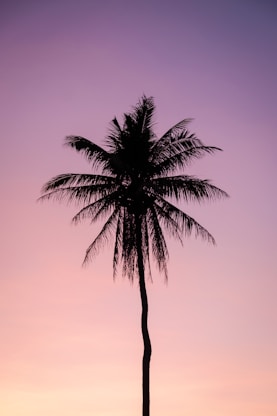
[144,325]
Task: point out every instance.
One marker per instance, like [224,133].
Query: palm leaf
[73,179]
[187,187]
[143,114]
[186,223]
[176,129]
[80,194]
[118,241]
[96,155]
[170,223]
[178,155]
[102,238]
[98,208]
[159,247]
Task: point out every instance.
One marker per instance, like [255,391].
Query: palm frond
[191,224]
[102,238]
[143,114]
[118,241]
[98,208]
[187,187]
[114,139]
[72,179]
[129,248]
[178,155]
[159,247]
[171,223]
[186,223]
[80,194]
[146,245]
[170,144]
[95,154]
[176,129]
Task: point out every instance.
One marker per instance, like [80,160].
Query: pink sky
[70,337]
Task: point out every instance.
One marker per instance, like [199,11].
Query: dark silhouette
[139,173]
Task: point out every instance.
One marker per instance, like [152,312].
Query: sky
[70,336]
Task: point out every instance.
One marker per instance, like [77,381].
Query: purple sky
[70,337]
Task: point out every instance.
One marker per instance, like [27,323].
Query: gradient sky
[70,337]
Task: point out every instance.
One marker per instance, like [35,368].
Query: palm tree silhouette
[139,175]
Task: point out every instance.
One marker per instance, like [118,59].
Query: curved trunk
[144,326]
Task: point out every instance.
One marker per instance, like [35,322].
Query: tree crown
[140,175]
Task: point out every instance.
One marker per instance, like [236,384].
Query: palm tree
[139,175]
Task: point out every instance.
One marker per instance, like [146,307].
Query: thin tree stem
[144,325]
